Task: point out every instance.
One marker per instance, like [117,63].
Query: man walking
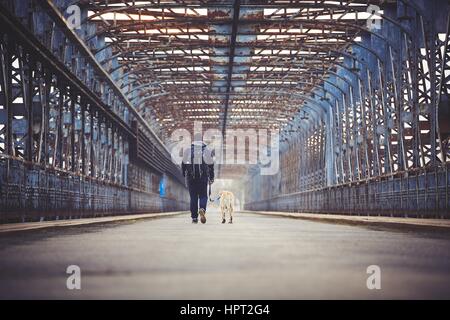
[198,170]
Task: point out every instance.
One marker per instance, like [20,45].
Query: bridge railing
[65,134]
[420,193]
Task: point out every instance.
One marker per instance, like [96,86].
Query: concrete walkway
[26,226]
[257,257]
[442,225]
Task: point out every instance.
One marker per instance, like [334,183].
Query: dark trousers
[198,190]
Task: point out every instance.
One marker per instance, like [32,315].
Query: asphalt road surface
[257,257]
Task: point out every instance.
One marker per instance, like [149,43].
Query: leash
[211,200]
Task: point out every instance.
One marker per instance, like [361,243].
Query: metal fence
[422,193]
[28,192]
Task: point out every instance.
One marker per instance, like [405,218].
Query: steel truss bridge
[90,92]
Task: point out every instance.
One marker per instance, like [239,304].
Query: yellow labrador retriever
[226,205]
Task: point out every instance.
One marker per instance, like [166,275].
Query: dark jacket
[201,169]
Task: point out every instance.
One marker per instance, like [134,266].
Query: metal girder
[66,137]
[191,44]
[354,104]
[384,130]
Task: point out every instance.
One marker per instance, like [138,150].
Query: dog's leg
[223,214]
[230,211]
[231,207]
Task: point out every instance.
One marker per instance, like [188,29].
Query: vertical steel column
[366,163]
[60,127]
[73,165]
[355,131]
[83,137]
[44,94]
[26,77]
[374,124]
[7,91]
[386,125]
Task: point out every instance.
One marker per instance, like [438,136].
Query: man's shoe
[194,220]
[202,213]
